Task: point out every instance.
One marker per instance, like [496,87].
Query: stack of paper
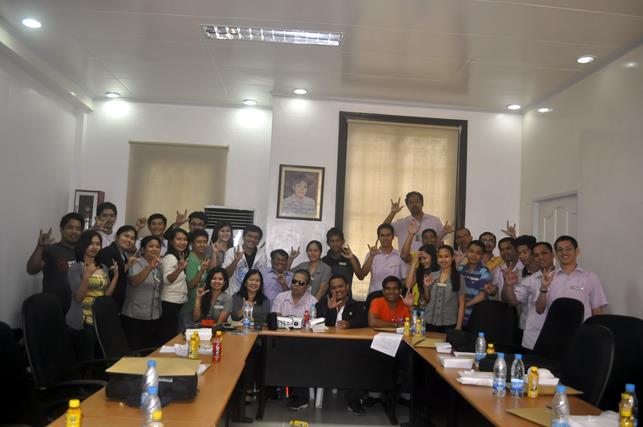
[386,343]
[205,334]
[443,347]
[456,362]
[471,377]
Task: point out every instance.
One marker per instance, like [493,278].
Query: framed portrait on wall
[300,193]
[86,203]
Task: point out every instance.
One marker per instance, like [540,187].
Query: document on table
[386,343]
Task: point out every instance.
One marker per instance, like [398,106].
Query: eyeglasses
[298,282]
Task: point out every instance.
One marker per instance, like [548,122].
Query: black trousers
[141,333]
[170,316]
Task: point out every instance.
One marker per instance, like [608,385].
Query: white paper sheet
[386,343]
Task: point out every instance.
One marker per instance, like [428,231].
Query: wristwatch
[543,291]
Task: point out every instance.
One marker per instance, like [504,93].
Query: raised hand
[238,255]
[200,292]
[182,264]
[204,264]
[140,223]
[548,277]
[447,228]
[414,227]
[100,224]
[347,252]
[510,276]
[114,268]
[218,247]
[428,281]
[332,301]
[181,218]
[458,258]
[155,262]
[45,239]
[408,298]
[373,250]
[294,253]
[510,230]
[395,206]
[130,262]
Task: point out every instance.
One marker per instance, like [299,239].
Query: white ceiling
[481,54]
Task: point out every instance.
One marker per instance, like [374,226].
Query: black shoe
[297,403]
[372,401]
[355,407]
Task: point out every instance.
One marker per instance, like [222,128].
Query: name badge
[578,288]
[441,285]
[218,307]
[342,263]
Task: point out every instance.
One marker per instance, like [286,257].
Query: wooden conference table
[481,398]
[215,387]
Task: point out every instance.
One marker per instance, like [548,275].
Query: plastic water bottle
[153,403]
[157,419]
[499,375]
[247,316]
[481,348]
[150,379]
[517,377]
[560,408]
[631,390]
[313,312]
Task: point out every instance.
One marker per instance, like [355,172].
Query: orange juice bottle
[74,415]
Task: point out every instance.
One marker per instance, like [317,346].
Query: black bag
[461,340]
[128,388]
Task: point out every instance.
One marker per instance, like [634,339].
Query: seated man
[340,310]
[295,302]
[390,310]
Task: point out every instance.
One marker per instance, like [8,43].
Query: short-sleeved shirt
[259,311]
[381,309]
[285,305]
[498,277]
[442,309]
[143,302]
[80,312]
[271,287]
[340,266]
[579,284]
[222,303]
[401,227]
[177,291]
[191,270]
[242,267]
[107,239]
[474,281]
[58,258]
[321,275]
[384,265]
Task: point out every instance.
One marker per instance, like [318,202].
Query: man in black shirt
[55,259]
[340,259]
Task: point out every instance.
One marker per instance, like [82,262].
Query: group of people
[173,278]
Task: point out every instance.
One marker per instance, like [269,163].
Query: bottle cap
[219,333]
[407,319]
[560,389]
[518,356]
[151,363]
[74,403]
[157,415]
[490,345]
[534,369]
[481,334]
[630,388]
[153,390]
[500,355]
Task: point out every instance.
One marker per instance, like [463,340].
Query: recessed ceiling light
[585,59]
[513,107]
[249,102]
[31,23]
[72,93]
[112,94]
[300,91]
[544,110]
[631,64]
[272,35]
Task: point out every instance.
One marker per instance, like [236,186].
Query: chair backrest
[628,355]
[498,321]
[370,297]
[565,315]
[109,330]
[588,363]
[47,340]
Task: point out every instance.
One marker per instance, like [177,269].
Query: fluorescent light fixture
[249,102]
[31,23]
[272,35]
[544,110]
[513,107]
[631,64]
[300,91]
[585,59]
[112,94]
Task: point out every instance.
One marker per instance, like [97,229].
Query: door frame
[535,209]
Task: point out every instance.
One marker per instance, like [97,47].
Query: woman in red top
[391,309]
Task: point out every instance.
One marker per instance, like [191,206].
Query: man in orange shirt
[390,310]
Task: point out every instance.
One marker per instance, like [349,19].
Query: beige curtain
[166,177]
[387,160]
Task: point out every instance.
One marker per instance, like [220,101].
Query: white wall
[38,138]
[305,132]
[113,124]
[592,143]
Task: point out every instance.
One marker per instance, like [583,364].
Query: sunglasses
[298,282]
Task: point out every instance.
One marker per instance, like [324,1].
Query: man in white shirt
[238,261]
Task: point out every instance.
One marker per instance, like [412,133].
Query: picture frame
[86,203]
[300,192]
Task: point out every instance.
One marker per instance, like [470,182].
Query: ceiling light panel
[273,35]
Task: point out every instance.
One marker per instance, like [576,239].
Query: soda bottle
[517,376]
[407,327]
[306,320]
[631,389]
[560,408]
[153,403]
[481,346]
[150,379]
[217,348]
[74,415]
[193,346]
[625,411]
[499,375]
[491,349]
[532,383]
